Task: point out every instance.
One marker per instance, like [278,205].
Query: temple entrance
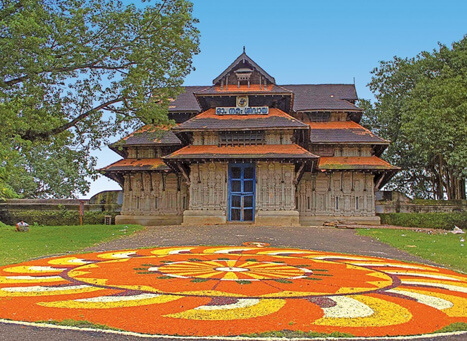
[241,192]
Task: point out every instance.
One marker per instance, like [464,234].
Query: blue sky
[308,41]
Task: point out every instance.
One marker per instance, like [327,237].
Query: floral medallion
[205,291]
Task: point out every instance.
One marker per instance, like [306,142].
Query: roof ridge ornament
[243,48]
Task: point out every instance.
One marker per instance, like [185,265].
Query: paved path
[313,238]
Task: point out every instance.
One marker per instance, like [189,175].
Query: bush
[59,217]
[3,225]
[429,220]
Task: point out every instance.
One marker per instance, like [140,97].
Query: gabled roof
[244,58]
[281,151]
[208,120]
[354,163]
[136,164]
[342,132]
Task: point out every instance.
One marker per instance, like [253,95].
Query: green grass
[50,240]
[79,324]
[455,327]
[445,249]
[298,334]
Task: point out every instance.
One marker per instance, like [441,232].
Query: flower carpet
[221,291]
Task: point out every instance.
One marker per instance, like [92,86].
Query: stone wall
[395,202]
[60,211]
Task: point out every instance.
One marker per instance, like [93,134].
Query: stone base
[277,218]
[321,219]
[204,217]
[149,220]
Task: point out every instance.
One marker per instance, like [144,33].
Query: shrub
[59,217]
[429,220]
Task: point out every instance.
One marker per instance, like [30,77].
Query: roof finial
[243,49]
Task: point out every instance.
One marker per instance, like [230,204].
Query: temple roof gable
[242,63]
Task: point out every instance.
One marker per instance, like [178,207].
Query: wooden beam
[299,174]
[380,180]
[185,175]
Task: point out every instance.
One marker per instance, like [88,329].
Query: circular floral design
[189,290]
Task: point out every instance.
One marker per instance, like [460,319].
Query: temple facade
[247,150]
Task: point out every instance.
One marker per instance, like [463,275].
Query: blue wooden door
[241,192]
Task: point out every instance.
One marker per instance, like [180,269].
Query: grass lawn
[445,249]
[50,240]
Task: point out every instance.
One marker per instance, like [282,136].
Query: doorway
[241,192]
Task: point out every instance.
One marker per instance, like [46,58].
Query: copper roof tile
[149,135]
[243,88]
[354,163]
[286,151]
[136,164]
[342,132]
[276,119]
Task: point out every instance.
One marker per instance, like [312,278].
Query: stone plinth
[320,220]
[204,217]
[149,220]
[277,218]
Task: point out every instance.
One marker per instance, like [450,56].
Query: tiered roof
[242,89]
[354,163]
[148,135]
[209,120]
[156,164]
[194,110]
[342,132]
[306,97]
[261,152]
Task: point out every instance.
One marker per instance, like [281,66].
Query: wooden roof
[243,58]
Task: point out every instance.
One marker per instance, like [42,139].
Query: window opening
[241,138]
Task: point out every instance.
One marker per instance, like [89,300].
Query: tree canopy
[76,72]
[421,106]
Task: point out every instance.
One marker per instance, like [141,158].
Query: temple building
[247,150]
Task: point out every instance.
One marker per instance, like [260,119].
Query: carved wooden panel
[152,193]
[316,197]
[275,189]
[208,190]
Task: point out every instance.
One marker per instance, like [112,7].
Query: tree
[421,106]
[76,72]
